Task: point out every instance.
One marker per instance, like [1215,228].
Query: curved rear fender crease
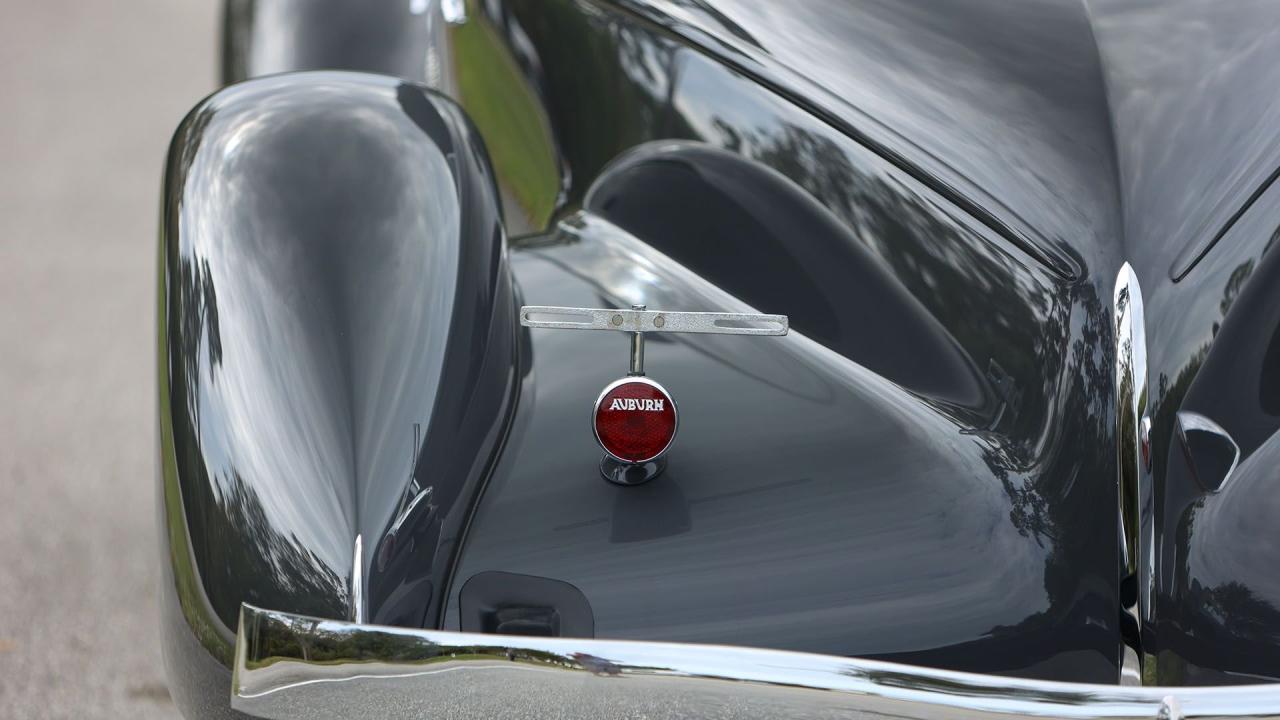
[337,358]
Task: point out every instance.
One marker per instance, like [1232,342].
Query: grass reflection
[510,118]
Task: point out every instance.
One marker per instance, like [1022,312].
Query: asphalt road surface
[90,92]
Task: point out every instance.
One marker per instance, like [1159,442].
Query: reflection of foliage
[199,318]
[1030,512]
[1233,605]
[1170,393]
[983,296]
[590,54]
[1226,627]
[313,640]
[185,580]
[1060,358]
[980,295]
[1128,405]
[276,638]
[1234,284]
[1041,508]
[189,287]
[241,556]
[509,116]
[248,555]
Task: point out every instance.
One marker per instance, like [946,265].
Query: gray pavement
[90,92]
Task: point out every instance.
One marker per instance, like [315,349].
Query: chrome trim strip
[637,347]
[289,666]
[1135,500]
[357,582]
[633,320]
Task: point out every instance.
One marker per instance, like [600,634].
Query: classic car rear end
[1012,454]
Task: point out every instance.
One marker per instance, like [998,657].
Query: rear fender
[337,356]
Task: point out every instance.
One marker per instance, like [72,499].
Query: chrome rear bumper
[290,666]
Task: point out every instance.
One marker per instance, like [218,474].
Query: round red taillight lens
[635,420]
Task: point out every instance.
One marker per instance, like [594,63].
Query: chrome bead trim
[290,666]
[1133,484]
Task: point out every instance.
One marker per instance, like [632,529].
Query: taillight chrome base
[625,473]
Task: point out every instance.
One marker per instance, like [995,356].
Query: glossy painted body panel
[1188,170]
[941,198]
[790,214]
[879,266]
[1192,95]
[800,488]
[996,104]
[1218,604]
[1197,148]
[337,349]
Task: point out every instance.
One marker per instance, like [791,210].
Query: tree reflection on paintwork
[984,298]
[1219,602]
[235,513]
